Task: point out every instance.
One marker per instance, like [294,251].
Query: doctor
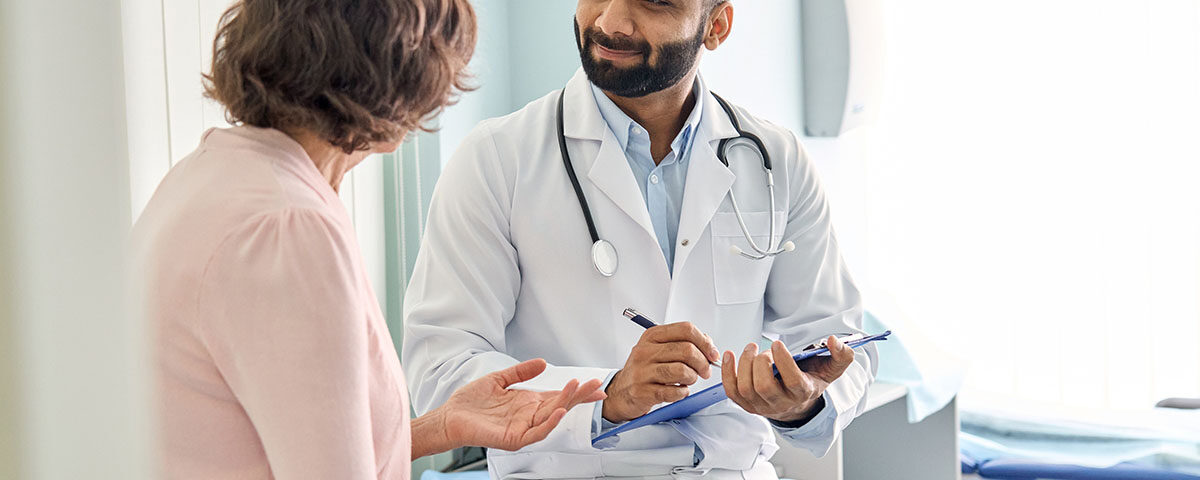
[542,233]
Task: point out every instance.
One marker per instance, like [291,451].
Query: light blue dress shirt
[662,184]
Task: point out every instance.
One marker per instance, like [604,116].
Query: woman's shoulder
[245,172]
[231,189]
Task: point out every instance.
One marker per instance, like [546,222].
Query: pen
[646,323]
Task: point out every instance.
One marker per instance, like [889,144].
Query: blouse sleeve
[281,312]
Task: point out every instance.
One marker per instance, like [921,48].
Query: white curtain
[1033,193]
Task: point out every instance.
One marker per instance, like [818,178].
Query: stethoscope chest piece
[604,257]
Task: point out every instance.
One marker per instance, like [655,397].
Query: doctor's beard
[675,60]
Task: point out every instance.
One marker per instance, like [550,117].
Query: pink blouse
[272,355]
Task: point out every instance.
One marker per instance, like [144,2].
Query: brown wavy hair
[352,71]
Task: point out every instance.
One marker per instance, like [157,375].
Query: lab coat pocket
[738,279]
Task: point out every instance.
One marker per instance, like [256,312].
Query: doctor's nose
[615,19]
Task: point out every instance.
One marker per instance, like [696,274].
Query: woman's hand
[487,413]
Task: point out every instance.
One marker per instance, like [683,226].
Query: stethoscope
[604,255]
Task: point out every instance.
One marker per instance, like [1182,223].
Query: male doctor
[506,270]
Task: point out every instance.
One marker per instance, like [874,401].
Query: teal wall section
[526,49]
[543,53]
[490,68]
[409,176]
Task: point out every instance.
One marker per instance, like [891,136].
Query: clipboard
[711,395]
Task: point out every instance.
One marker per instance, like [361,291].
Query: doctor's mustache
[591,35]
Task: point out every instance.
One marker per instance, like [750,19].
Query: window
[1033,184]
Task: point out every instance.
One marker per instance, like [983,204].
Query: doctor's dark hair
[351,71]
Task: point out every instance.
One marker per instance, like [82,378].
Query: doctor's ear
[720,23]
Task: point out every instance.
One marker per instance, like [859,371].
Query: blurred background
[1020,203]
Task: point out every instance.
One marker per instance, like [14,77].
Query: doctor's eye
[659,3]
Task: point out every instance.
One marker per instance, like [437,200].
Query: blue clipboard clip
[711,395]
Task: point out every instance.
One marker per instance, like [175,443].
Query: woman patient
[272,355]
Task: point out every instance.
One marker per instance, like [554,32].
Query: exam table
[1034,469]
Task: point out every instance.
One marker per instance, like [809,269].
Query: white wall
[82,386]
[765,40]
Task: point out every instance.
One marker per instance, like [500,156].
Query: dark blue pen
[646,323]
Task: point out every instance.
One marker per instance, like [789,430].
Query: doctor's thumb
[843,355]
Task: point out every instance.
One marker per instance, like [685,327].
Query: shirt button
[654,179]
[637,131]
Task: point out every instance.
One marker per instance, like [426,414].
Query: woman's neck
[331,161]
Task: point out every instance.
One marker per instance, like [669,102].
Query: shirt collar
[620,124]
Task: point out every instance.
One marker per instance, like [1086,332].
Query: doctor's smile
[616,54]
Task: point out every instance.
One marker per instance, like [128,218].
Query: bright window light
[1034,193]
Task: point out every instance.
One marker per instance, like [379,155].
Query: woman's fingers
[589,392]
[538,431]
[559,399]
[572,394]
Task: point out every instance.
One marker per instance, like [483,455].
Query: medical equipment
[604,255]
[842,53]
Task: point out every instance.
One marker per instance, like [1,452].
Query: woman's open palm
[487,413]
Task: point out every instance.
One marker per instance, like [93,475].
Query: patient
[273,359]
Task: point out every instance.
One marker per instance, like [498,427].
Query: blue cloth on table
[969,465]
[1028,470]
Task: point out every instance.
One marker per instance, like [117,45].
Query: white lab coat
[505,274]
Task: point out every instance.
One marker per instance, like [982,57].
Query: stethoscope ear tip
[735,250]
[788,246]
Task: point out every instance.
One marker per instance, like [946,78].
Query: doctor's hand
[487,413]
[795,395]
[664,362]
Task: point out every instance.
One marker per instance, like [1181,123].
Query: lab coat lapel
[708,180]
[612,175]
[609,170]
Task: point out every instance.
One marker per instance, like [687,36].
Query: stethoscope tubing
[603,246]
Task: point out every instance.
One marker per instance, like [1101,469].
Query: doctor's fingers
[682,352]
[768,388]
[672,373]
[683,332]
[729,380]
[649,394]
[829,367]
[745,381]
[794,380]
